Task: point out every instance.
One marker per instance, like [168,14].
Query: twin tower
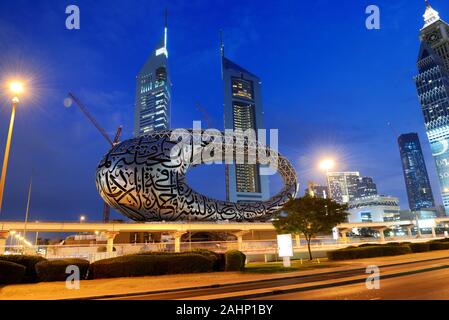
[242,110]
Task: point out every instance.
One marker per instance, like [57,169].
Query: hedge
[368,252]
[55,270]
[235,260]
[11,272]
[419,247]
[150,264]
[439,245]
[218,258]
[29,262]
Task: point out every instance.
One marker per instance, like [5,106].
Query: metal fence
[94,252]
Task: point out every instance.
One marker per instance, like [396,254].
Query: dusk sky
[329,85]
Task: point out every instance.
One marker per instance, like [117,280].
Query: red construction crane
[205,116]
[113,142]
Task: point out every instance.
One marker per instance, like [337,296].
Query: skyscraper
[243,111]
[153,91]
[419,191]
[366,187]
[343,185]
[432,84]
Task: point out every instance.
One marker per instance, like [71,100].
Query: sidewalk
[121,286]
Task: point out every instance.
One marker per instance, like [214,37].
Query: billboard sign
[285,245]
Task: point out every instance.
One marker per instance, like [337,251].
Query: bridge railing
[94,252]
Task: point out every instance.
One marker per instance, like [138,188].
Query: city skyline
[303,141]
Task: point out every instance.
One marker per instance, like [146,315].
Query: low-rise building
[375,208]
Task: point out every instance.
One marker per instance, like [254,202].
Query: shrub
[29,262]
[150,264]
[398,243]
[218,258]
[55,270]
[11,272]
[419,247]
[367,245]
[439,245]
[235,260]
[396,250]
[368,252]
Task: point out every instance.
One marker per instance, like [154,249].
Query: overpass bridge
[178,229]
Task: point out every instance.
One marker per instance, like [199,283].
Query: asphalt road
[432,285]
[417,280]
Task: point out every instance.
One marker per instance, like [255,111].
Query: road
[432,285]
[427,279]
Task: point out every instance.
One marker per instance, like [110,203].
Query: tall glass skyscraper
[419,191]
[153,92]
[243,111]
[432,83]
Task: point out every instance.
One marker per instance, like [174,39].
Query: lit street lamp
[327,165]
[82,219]
[11,236]
[16,88]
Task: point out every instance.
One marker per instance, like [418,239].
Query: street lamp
[82,219]
[327,165]
[11,237]
[16,88]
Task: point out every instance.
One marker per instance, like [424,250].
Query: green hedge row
[368,252]
[218,258]
[150,264]
[11,272]
[390,249]
[29,262]
[30,269]
[55,270]
[235,260]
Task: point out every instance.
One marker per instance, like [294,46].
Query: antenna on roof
[222,48]
[166,18]
[221,44]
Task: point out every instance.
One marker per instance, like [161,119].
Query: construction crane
[205,116]
[113,142]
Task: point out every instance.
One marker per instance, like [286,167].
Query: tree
[310,216]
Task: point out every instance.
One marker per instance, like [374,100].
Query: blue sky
[329,85]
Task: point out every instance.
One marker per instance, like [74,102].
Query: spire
[165,29]
[163,48]
[221,52]
[221,44]
[430,16]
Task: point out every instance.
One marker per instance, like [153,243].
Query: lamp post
[11,238]
[16,88]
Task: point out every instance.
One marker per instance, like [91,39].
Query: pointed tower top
[166,18]
[163,46]
[221,44]
[431,15]
[221,52]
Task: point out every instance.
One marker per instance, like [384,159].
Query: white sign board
[285,245]
[335,233]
